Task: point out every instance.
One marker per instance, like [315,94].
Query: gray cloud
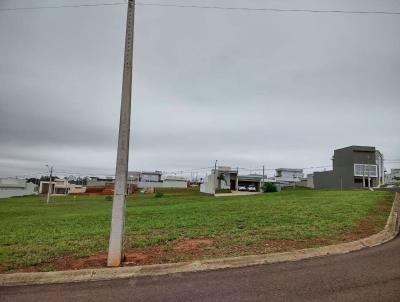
[280,89]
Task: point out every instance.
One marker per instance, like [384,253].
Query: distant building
[76,189]
[10,187]
[58,186]
[288,175]
[100,185]
[393,177]
[155,180]
[97,182]
[225,178]
[285,177]
[310,180]
[61,187]
[175,182]
[354,167]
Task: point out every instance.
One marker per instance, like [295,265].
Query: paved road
[368,275]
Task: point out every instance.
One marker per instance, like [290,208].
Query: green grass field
[34,233]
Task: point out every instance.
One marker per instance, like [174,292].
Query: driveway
[368,275]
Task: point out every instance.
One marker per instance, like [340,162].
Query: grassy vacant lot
[46,237]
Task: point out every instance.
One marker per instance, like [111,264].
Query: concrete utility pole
[115,250]
[263,174]
[215,176]
[369,180]
[50,188]
[237,179]
[364,176]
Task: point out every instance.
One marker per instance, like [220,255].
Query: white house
[175,182]
[154,180]
[393,177]
[61,187]
[76,189]
[58,186]
[289,175]
[310,180]
[226,178]
[10,187]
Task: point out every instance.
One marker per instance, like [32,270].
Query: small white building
[76,189]
[61,187]
[58,186]
[226,178]
[393,176]
[310,181]
[289,175]
[10,187]
[155,180]
[175,182]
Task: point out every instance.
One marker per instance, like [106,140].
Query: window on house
[365,170]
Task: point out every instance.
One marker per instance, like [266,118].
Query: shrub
[223,191]
[109,198]
[159,194]
[269,187]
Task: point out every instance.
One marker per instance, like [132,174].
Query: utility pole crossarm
[115,252]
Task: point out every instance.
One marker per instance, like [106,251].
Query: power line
[269,9]
[259,9]
[60,6]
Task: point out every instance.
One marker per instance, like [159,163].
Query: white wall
[165,184]
[290,176]
[149,184]
[174,184]
[58,183]
[209,184]
[310,181]
[390,177]
[76,189]
[29,189]
[227,183]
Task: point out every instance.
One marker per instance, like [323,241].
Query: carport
[248,180]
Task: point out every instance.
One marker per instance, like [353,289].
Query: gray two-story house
[354,167]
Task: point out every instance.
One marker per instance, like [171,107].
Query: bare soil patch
[192,244]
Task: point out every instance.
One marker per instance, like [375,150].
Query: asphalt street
[368,275]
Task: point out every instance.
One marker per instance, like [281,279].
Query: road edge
[390,231]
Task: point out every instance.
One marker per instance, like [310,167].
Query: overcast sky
[246,88]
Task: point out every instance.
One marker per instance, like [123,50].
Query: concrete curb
[390,231]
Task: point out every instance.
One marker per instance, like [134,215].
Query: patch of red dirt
[286,245]
[191,244]
[68,262]
[136,257]
[368,226]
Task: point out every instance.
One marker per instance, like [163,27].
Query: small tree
[159,194]
[222,178]
[269,187]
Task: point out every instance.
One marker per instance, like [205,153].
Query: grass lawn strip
[72,232]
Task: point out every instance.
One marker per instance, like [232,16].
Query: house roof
[175,178]
[152,173]
[359,148]
[250,177]
[289,169]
